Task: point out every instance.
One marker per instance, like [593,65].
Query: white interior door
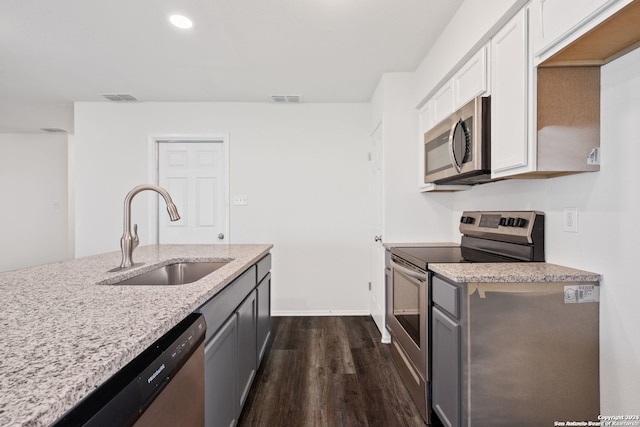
[377,293]
[194,174]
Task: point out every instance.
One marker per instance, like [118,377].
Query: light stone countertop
[64,329]
[516,272]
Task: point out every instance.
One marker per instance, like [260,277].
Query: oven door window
[406,304]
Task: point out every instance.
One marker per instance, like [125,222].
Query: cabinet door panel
[427,117]
[471,80]
[443,102]
[446,369]
[247,342]
[264,315]
[221,382]
[509,95]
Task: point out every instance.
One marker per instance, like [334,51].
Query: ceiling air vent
[285,98]
[120,97]
[55,130]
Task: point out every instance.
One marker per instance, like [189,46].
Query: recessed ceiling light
[181,21]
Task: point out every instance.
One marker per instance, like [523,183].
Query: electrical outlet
[570,220]
[240,200]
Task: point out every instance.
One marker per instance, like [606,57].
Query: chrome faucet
[129,241]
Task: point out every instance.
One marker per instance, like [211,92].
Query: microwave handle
[452,155]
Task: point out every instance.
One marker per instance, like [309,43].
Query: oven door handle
[413,274]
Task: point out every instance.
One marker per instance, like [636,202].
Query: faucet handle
[136,241]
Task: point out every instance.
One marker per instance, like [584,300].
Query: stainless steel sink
[179,273]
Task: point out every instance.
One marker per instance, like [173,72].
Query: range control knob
[511,222]
[503,222]
[467,220]
[520,222]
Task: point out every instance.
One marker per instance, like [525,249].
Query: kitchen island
[65,328]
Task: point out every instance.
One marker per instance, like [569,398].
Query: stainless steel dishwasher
[163,386]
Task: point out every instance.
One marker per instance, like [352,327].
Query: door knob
[221,236]
[377,238]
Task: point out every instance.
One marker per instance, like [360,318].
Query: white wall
[409,216]
[33,185]
[608,203]
[303,167]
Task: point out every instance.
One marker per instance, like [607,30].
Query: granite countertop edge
[65,328]
[512,273]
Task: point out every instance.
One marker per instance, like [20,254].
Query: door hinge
[369,285]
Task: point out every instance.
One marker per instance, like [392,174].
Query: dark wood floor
[328,371]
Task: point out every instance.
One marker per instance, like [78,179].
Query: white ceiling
[55,52]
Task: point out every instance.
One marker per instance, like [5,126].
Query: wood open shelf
[616,36]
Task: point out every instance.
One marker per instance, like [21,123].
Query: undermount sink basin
[179,273]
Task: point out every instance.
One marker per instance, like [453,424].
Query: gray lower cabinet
[446,334]
[221,377]
[446,368]
[238,329]
[264,315]
[247,341]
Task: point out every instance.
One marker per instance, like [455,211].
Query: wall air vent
[120,97]
[55,130]
[285,98]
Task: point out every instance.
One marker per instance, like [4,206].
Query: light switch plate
[240,200]
[570,220]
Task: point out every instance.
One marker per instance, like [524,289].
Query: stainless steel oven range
[487,236]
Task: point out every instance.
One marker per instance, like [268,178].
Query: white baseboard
[386,337]
[286,313]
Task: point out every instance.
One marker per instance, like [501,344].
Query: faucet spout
[129,241]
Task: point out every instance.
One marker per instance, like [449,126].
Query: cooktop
[487,236]
[422,256]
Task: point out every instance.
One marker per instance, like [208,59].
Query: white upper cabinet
[442,102]
[510,86]
[542,71]
[471,80]
[427,117]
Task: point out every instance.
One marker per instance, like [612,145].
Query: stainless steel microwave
[458,150]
